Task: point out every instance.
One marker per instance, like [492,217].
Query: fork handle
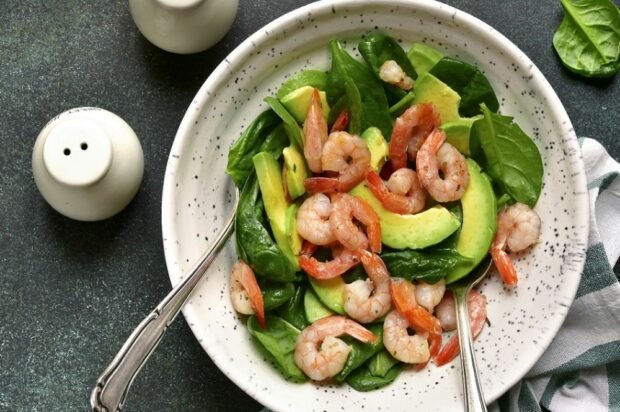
[113,385]
[472,390]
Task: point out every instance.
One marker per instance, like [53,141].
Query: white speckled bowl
[197,198]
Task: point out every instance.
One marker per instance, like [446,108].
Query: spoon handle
[113,385]
[474,399]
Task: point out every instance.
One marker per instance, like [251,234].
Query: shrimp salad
[365,191]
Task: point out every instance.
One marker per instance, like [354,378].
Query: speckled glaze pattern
[197,199]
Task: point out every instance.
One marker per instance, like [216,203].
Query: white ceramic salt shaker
[183,26]
[87,163]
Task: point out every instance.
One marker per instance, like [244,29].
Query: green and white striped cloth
[580,371]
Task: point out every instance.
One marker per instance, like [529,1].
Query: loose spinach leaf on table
[588,38]
[469,82]
[376,49]
[254,243]
[313,78]
[429,265]
[365,97]
[278,340]
[508,155]
[361,352]
[260,136]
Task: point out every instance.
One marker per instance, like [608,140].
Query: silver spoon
[472,390]
[113,385]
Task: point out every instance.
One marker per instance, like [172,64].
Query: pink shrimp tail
[321,184]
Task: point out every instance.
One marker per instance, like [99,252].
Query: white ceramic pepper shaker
[87,163]
[183,26]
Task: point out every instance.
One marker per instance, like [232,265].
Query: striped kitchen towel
[580,371]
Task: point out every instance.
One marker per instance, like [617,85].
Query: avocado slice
[423,57]
[378,147]
[429,89]
[410,231]
[479,221]
[458,131]
[295,171]
[297,103]
[330,292]
[294,240]
[276,205]
[314,308]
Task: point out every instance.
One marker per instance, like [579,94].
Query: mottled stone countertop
[71,292]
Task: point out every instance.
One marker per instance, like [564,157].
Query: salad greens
[376,49]
[508,155]
[588,38]
[264,234]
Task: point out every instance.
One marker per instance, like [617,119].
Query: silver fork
[112,387]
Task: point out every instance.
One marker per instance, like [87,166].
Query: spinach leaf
[430,265]
[365,96]
[313,78]
[291,126]
[380,364]
[588,38]
[378,48]
[293,310]
[276,294]
[400,106]
[254,243]
[259,136]
[510,156]
[469,82]
[361,352]
[278,339]
[363,380]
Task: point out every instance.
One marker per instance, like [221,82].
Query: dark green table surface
[71,292]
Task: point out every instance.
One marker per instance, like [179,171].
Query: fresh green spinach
[293,310]
[254,243]
[367,103]
[400,106]
[276,294]
[278,340]
[376,49]
[588,38]
[508,155]
[291,126]
[469,82]
[361,352]
[380,364]
[363,380]
[429,265]
[313,78]
[261,135]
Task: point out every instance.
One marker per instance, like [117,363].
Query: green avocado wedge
[330,292]
[410,231]
[479,222]
[429,89]
[298,101]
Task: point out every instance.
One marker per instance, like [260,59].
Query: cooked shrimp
[435,156]
[410,130]
[346,207]
[518,227]
[343,153]
[319,352]
[402,193]
[445,311]
[245,294]
[429,295]
[477,308]
[315,133]
[390,72]
[313,220]
[330,269]
[403,296]
[341,123]
[368,300]
[404,347]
